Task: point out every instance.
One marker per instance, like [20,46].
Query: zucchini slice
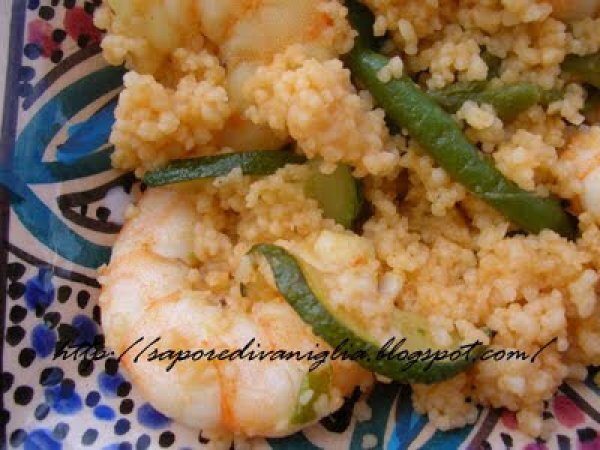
[417,360]
[314,385]
[338,193]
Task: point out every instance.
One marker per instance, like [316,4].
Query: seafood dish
[414,184]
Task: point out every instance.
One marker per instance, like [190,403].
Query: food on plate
[156,286]
[439,135]
[338,193]
[577,10]
[508,101]
[584,68]
[302,287]
[324,173]
[250,163]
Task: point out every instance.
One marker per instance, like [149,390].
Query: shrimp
[152,288]
[249,34]
[571,10]
[208,50]
[144,33]
[580,170]
[251,30]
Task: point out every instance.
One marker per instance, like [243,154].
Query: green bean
[438,133]
[508,101]
[584,68]
[251,163]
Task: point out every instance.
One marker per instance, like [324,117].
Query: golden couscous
[504,265]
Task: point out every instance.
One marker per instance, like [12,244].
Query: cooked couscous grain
[214,77]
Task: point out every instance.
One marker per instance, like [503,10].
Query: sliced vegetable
[437,132]
[314,385]
[508,100]
[338,194]
[301,286]
[584,68]
[415,329]
[251,163]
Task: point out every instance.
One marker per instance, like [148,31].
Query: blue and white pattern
[65,206]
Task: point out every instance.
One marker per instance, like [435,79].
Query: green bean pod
[508,101]
[260,162]
[438,133]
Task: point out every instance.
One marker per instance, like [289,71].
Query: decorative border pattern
[61,212]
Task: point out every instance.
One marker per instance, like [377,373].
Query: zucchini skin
[324,188]
[293,285]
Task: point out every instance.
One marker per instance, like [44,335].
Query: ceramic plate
[61,211]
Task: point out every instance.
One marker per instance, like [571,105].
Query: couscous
[215,78]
